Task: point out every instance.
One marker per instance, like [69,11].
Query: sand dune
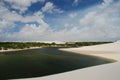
[110,50]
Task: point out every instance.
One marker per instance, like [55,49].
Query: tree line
[22,45]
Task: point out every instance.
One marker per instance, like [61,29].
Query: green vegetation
[80,44]
[22,45]
[89,43]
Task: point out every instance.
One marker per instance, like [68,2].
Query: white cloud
[6,25]
[88,19]
[72,15]
[98,24]
[102,17]
[106,3]
[14,17]
[50,8]
[69,25]
[75,2]
[102,23]
[8,19]
[30,32]
[66,25]
[22,5]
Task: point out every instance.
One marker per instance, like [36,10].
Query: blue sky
[59,20]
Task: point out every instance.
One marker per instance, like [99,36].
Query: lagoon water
[42,62]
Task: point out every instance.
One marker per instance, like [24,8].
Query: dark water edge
[42,62]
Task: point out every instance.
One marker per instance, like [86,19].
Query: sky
[59,20]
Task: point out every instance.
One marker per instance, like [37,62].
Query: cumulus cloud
[72,15]
[21,5]
[96,24]
[8,21]
[15,17]
[88,19]
[69,25]
[75,2]
[50,8]
[106,3]
[66,25]
[6,25]
[29,32]
[102,23]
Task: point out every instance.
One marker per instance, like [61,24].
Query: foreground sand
[109,51]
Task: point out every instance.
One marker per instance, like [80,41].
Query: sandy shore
[110,50]
[9,50]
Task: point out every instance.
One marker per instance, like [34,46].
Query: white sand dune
[110,50]
[109,71]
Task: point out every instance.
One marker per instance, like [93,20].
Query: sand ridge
[110,50]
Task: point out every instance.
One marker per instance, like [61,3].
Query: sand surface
[110,50]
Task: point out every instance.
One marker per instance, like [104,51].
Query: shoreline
[92,55]
[110,51]
[11,50]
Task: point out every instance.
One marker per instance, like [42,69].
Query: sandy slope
[110,50]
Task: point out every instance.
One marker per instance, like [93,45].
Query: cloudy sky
[59,20]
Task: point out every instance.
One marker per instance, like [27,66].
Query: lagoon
[43,62]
